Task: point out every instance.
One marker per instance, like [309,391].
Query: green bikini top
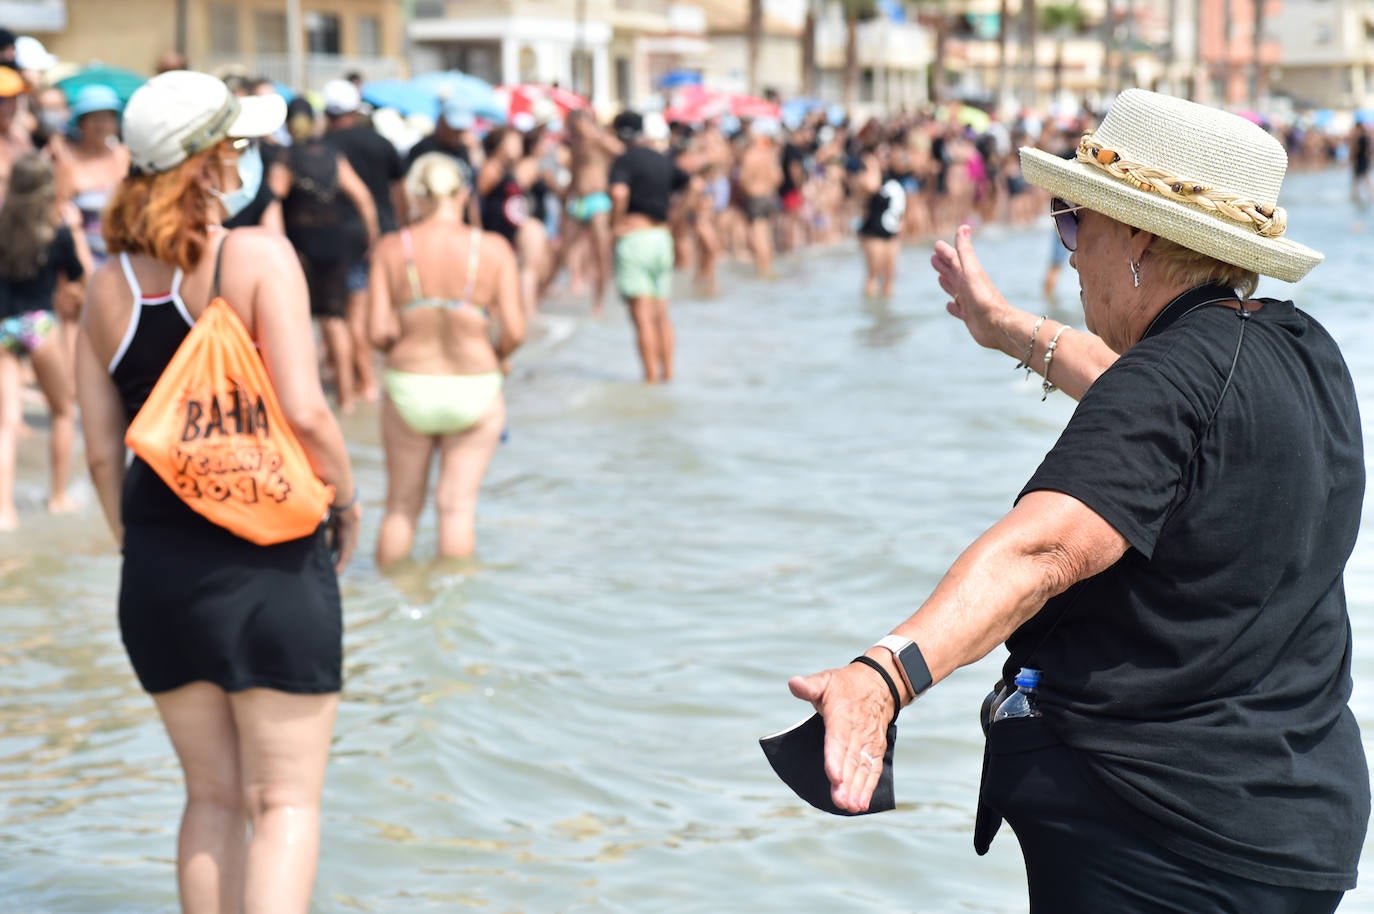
[420,300]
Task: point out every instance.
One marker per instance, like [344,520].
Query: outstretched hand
[856,707]
[976,300]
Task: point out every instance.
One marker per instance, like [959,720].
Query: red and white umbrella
[541,102]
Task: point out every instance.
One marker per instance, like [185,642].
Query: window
[369,36]
[269,32]
[623,88]
[582,73]
[224,29]
[322,33]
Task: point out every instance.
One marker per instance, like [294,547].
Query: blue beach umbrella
[477,95]
[676,79]
[402,95]
[123,82]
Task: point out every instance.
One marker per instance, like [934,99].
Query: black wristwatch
[911,664]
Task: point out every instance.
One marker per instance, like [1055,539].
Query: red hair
[166,215]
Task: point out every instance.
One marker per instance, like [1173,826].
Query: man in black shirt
[453,137]
[378,164]
[642,181]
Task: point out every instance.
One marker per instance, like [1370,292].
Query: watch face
[914,664]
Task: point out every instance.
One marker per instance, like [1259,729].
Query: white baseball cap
[29,54]
[341,97]
[180,113]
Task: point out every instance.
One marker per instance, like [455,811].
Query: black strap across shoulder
[219,260]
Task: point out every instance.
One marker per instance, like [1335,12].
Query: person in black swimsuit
[505,184]
[239,645]
[884,210]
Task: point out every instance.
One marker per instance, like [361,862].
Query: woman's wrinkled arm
[510,314]
[1046,543]
[1079,357]
[383,326]
[102,428]
[282,329]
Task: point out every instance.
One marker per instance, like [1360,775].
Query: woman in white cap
[239,645]
[1173,570]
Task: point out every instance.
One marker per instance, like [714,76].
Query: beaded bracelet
[1030,347]
[1045,385]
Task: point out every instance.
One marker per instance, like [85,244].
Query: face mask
[250,178]
[53,121]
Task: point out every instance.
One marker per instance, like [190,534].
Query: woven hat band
[1267,220]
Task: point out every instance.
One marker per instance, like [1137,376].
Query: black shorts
[757,208]
[1082,858]
[328,285]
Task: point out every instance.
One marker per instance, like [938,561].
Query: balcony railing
[319,68]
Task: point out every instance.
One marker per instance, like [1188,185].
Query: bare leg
[889,265]
[408,456]
[338,343]
[212,845]
[646,336]
[601,259]
[283,750]
[463,462]
[708,250]
[363,370]
[531,243]
[870,247]
[11,417]
[55,379]
[761,246]
[666,342]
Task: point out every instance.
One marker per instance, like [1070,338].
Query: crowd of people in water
[564,206]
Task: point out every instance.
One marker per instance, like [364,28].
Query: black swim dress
[196,602]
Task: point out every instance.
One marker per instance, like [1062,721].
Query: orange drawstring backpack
[214,431]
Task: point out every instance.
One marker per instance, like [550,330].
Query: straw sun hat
[1200,177]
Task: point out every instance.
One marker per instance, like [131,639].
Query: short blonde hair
[1186,267]
[434,176]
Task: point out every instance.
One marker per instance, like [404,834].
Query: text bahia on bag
[214,431]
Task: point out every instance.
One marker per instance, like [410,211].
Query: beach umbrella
[678,79]
[123,82]
[795,110]
[752,106]
[401,95]
[975,118]
[477,95]
[694,105]
[536,100]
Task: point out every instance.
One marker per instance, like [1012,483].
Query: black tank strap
[219,260]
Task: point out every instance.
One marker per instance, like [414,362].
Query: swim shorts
[644,264]
[23,333]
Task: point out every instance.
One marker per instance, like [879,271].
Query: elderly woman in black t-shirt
[1174,567]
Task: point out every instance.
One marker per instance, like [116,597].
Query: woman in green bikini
[437,289]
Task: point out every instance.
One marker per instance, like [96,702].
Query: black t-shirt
[652,178]
[22,296]
[376,161]
[431,144]
[1205,676]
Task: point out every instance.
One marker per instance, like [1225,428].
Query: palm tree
[755,38]
[1003,17]
[1032,35]
[855,11]
[1061,20]
[1257,64]
[937,18]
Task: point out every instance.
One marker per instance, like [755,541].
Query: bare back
[441,314]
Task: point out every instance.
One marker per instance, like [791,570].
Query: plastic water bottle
[1023,702]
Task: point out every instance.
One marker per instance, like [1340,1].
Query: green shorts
[644,264]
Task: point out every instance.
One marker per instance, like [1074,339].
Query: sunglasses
[1066,222]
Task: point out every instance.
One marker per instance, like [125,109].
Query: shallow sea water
[570,724]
